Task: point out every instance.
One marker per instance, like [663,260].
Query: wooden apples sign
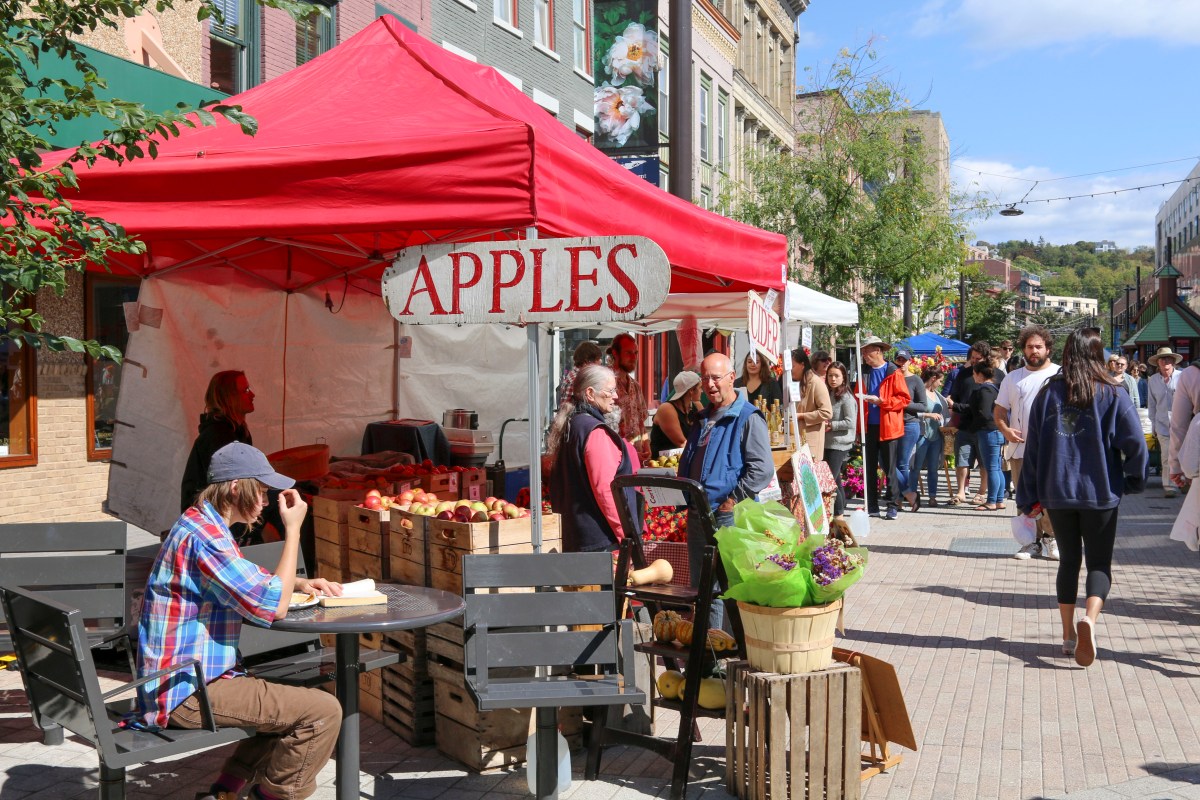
[595,279]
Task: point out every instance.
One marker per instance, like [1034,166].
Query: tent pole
[535,426]
[862,421]
[395,369]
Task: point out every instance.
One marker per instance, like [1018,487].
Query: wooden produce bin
[408,689]
[332,530]
[793,737]
[443,484]
[449,541]
[407,551]
[367,550]
[486,740]
[472,484]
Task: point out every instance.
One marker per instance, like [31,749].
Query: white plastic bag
[1024,529]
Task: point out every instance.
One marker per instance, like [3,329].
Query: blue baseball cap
[237,460]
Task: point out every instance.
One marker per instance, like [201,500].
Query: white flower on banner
[620,110]
[634,52]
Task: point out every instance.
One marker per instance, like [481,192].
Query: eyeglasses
[610,392]
[715,378]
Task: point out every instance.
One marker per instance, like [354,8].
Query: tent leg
[533,352]
[862,426]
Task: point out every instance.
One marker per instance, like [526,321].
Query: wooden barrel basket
[789,641]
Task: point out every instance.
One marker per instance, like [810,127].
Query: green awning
[156,90]
[1163,327]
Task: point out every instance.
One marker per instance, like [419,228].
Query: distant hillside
[1076,270]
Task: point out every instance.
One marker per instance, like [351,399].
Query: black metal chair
[60,678]
[297,659]
[534,630]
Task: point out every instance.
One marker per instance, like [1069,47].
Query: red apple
[497,516]
[479,516]
[511,511]
[407,496]
[446,515]
[373,502]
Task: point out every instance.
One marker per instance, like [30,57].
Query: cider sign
[594,279]
[762,326]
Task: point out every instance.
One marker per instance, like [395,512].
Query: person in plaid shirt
[200,590]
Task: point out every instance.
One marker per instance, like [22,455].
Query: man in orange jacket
[882,388]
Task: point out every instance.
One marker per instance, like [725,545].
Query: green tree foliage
[1076,270]
[859,192]
[990,315]
[44,237]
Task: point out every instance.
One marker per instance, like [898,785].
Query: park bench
[297,659]
[79,564]
[523,622]
[52,648]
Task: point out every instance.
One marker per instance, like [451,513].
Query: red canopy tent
[389,141]
[385,142]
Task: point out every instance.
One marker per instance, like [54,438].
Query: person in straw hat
[1161,388]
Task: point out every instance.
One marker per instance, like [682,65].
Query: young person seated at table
[199,591]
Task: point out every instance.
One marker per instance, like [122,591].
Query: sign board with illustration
[627,65]
[594,279]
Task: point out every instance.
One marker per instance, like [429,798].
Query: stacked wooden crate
[407,555]
[490,739]
[408,689]
[367,543]
[332,529]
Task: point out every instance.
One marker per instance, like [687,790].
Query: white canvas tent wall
[727,311]
[317,376]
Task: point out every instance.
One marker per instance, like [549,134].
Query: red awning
[389,141]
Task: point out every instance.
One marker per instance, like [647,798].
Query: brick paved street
[997,710]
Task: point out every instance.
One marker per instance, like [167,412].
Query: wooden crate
[408,702]
[486,740]
[790,737]
[367,531]
[406,549]
[443,484]
[370,694]
[335,507]
[472,484]
[449,541]
[332,538]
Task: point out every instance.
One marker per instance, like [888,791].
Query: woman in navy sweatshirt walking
[1084,449]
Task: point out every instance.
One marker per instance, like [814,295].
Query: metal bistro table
[407,607]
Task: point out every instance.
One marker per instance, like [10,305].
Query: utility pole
[679,115]
[962,307]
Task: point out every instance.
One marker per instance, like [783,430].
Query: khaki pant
[1045,529]
[300,725]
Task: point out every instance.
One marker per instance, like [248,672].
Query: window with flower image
[627,65]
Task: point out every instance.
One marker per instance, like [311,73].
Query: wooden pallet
[792,737]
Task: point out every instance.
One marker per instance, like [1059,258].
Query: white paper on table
[362,588]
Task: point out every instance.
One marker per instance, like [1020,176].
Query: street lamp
[1112,321]
[1128,316]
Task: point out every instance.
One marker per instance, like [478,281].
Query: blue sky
[1037,90]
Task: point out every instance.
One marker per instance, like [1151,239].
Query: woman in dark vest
[586,454]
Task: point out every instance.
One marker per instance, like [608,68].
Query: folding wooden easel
[885,717]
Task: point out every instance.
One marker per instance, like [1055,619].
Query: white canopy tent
[727,311]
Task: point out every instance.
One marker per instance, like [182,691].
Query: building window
[705,123]
[664,177]
[314,35]
[664,95]
[18,406]
[105,313]
[506,11]
[722,130]
[233,56]
[581,22]
[584,134]
[705,198]
[543,23]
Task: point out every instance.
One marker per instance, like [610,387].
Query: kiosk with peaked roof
[264,253]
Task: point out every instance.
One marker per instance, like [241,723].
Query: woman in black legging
[1084,449]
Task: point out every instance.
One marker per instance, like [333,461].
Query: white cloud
[1126,218]
[1031,24]
[807,39]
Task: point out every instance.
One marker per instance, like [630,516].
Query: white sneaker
[1049,549]
[1028,551]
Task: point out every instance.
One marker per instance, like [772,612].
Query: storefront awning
[155,90]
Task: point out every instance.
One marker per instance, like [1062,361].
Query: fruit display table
[421,439]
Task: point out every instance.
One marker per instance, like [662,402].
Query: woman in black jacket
[226,403]
[989,441]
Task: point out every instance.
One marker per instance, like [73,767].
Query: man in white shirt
[1012,409]
[1161,390]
